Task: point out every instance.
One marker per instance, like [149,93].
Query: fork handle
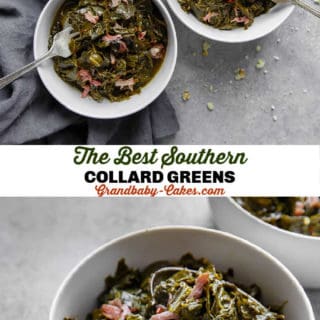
[20,72]
[307,6]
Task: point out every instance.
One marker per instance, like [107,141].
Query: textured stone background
[242,113]
[41,240]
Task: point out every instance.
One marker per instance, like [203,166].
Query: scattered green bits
[260,64]
[316,2]
[205,48]
[186,95]
[210,106]
[258,48]
[239,74]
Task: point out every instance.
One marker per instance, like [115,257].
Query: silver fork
[304,4]
[152,285]
[60,47]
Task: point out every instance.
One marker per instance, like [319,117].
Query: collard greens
[204,295]
[226,14]
[296,214]
[121,46]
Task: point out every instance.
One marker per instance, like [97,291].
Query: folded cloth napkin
[28,114]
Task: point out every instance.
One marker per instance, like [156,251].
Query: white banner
[155,171]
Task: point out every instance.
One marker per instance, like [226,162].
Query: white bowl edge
[256,31]
[292,249]
[310,315]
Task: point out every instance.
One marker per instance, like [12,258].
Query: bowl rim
[181,228]
[171,67]
[219,39]
[270,226]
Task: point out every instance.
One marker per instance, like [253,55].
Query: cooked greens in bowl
[121,46]
[203,294]
[226,14]
[296,214]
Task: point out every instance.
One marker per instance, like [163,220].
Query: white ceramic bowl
[70,97]
[300,253]
[261,26]
[77,294]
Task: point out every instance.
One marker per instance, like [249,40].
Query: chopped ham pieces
[111,312]
[91,18]
[123,47]
[208,16]
[141,35]
[166,315]
[157,51]
[243,19]
[84,75]
[110,38]
[201,281]
[85,92]
[115,310]
[116,38]
[87,80]
[125,311]
[96,83]
[125,83]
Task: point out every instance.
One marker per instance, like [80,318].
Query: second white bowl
[300,253]
[261,26]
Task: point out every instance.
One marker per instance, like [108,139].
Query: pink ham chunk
[125,311]
[115,310]
[208,16]
[122,46]
[157,51]
[243,19]
[84,75]
[91,18]
[201,281]
[166,315]
[96,83]
[87,80]
[111,312]
[111,38]
[85,92]
[125,83]
[141,35]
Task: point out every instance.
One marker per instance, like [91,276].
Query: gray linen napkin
[28,114]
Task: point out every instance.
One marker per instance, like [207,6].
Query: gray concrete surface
[42,239]
[242,113]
